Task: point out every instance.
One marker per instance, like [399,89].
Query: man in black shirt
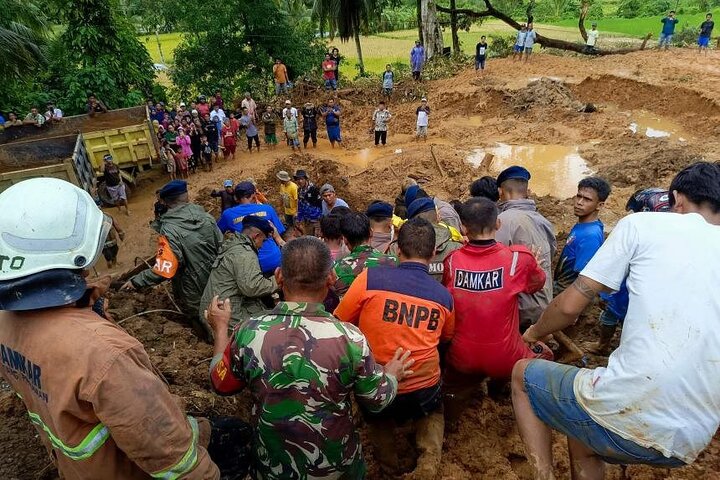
[95,106]
[480,55]
[114,184]
[309,115]
[211,132]
[706,29]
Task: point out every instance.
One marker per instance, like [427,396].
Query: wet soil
[507,106]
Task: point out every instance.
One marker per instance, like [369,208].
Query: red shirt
[328,74]
[485,282]
[203,109]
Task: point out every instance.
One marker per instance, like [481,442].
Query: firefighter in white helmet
[88,386]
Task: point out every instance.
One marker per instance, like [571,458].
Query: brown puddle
[555,169]
[653,126]
[360,158]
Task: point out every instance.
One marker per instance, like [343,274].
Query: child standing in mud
[422,112]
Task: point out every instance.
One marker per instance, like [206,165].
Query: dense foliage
[237,49]
[97,53]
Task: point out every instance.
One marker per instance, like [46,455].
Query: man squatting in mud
[657,402]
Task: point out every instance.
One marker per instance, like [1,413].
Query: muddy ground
[674,92]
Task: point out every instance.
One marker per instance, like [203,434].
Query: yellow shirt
[289,195]
[454,233]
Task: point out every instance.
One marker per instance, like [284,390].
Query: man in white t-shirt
[658,400]
[530,37]
[592,38]
[293,110]
[423,114]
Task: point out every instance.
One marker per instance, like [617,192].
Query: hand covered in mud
[399,365]
[128,286]
[218,314]
[531,338]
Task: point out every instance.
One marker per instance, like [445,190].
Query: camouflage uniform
[350,266]
[444,246]
[301,365]
[236,275]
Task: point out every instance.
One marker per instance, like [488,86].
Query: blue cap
[227,183]
[257,222]
[411,194]
[243,189]
[173,189]
[379,209]
[515,172]
[419,206]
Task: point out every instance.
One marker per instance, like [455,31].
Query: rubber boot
[382,437]
[429,433]
[602,346]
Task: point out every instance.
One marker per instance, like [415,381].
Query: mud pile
[545,92]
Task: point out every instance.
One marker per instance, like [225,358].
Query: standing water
[555,169]
[653,126]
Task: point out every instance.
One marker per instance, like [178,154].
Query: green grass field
[381,49]
[637,27]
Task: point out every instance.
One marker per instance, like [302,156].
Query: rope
[147,312]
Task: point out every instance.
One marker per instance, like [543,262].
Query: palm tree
[346,17]
[22,38]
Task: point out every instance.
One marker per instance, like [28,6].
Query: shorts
[480,63]
[331,83]
[117,193]
[518,48]
[280,87]
[665,39]
[550,388]
[421,131]
[271,139]
[110,252]
[334,133]
[528,50]
[704,41]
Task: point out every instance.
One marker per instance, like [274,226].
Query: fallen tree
[546,42]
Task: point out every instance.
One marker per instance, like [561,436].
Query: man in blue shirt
[668,30]
[231,221]
[616,304]
[586,236]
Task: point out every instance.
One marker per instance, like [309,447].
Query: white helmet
[49,224]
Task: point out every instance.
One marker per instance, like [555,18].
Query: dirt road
[657,112]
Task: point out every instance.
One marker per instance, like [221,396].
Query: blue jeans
[665,39]
[331,84]
[549,386]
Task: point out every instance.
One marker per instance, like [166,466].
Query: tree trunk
[419,20]
[454,28]
[157,39]
[584,7]
[361,64]
[431,29]
[546,42]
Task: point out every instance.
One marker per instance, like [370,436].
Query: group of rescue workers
[410,306]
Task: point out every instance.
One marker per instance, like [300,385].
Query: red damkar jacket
[485,280]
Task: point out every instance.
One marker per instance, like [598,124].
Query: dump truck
[73,149]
